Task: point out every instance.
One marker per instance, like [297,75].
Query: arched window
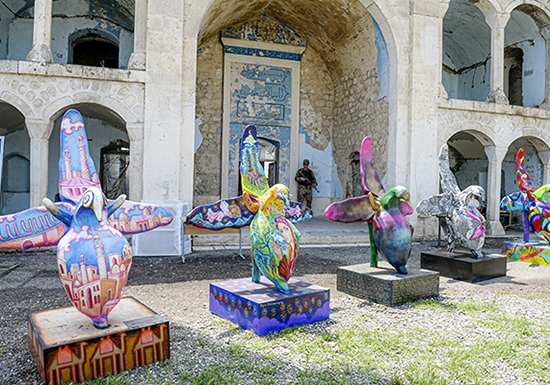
[93,48]
[513,75]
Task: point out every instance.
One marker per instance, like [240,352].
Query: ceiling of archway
[327,26]
[467,36]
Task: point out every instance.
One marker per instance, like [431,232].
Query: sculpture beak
[98,204]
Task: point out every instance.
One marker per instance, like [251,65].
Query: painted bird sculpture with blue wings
[385,213]
[522,199]
[93,256]
[269,212]
[461,208]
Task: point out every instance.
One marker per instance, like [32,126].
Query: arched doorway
[103,127]
[335,89]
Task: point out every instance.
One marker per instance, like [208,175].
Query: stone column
[187,133]
[497,22]
[545,33]
[39,132]
[137,59]
[544,156]
[495,156]
[42,34]
[135,171]
[421,156]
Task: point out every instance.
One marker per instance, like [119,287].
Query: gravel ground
[179,292]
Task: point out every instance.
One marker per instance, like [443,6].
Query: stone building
[176,81]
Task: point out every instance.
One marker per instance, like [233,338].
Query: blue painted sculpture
[274,240]
[93,257]
[461,208]
[389,230]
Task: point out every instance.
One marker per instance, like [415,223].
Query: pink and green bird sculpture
[274,239]
[385,213]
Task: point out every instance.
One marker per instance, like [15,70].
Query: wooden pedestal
[463,266]
[384,285]
[67,347]
[264,309]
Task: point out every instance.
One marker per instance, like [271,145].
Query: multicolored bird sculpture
[93,257]
[274,240]
[522,199]
[461,208]
[385,212]
[539,212]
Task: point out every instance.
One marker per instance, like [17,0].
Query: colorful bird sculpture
[390,231]
[539,212]
[93,257]
[461,208]
[274,240]
[522,199]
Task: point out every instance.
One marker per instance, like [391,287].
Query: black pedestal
[385,286]
[463,266]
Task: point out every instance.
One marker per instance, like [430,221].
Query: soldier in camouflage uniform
[306,182]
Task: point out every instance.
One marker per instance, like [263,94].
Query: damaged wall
[209,111]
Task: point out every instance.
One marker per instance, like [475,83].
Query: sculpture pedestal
[537,253]
[67,347]
[384,285]
[463,266]
[262,308]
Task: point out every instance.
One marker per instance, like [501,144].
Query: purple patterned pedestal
[264,309]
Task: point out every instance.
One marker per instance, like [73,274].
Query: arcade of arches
[174,85]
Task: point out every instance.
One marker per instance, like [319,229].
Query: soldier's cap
[306,161]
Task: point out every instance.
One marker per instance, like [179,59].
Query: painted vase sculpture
[274,240]
[385,213]
[465,223]
[93,256]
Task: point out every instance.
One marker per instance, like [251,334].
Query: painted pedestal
[68,348]
[463,266]
[385,286]
[263,309]
[537,253]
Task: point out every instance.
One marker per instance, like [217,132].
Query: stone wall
[209,113]
[316,99]
[359,113]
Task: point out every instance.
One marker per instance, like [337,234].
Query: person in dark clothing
[306,182]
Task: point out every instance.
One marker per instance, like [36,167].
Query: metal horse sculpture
[461,208]
[274,240]
[93,257]
[385,212]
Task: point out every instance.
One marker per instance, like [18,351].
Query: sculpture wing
[369,176]
[514,202]
[77,171]
[136,217]
[543,193]
[448,180]
[436,205]
[34,227]
[298,212]
[222,214]
[357,209]
[253,179]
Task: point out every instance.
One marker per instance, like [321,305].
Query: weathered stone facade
[405,73]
